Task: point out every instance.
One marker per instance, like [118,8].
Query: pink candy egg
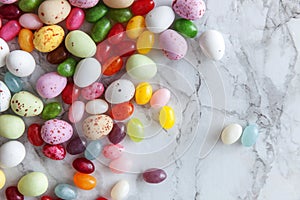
[93,91]
[160,98]
[76,111]
[112,151]
[56,131]
[30,21]
[50,85]
[83,3]
[75,19]
[189,9]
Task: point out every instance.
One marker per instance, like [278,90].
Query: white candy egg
[12,153]
[4,51]
[212,44]
[5,97]
[231,133]
[96,106]
[120,190]
[160,19]
[119,91]
[20,63]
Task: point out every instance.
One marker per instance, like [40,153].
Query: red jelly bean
[83,165]
[12,193]
[10,11]
[101,198]
[125,48]
[75,19]
[34,135]
[112,66]
[49,198]
[70,93]
[116,34]
[104,51]
[117,134]
[54,152]
[76,146]
[122,111]
[10,30]
[142,7]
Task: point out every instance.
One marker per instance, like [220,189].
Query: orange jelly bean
[25,40]
[84,181]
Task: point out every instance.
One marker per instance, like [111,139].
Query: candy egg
[112,151]
[159,19]
[167,117]
[154,175]
[5,97]
[33,184]
[143,93]
[122,111]
[12,153]
[141,67]
[212,44]
[20,63]
[119,91]
[97,126]
[231,133]
[160,98]
[96,106]
[53,11]
[93,150]
[4,51]
[56,131]
[2,179]
[76,111]
[118,3]
[120,190]
[189,9]
[54,152]
[66,191]
[11,126]
[30,21]
[83,3]
[135,130]
[250,135]
[93,91]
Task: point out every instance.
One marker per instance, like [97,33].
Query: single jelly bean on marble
[120,190]
[30,21]
[20,63]
[118,133]
[159,19]
[33,184]
[75,19]
[83,165]
[231,133]
[135,130]
[51,110]
[122,111]
[120,15]
[160,98]
[76,145]
[70,93]
[135,27]
[12,193]
[95,13]
[67,67]
[93,150]
[53,11]
[58,55]
[84,181]
[66,191]
[145,42]
[2,179]
[12,153]
[5,97]
[34,135]
[25,40]
[104,51]
[29,5]
[11,126]
[96,106]
[154,175]
[56,131]
[83,3]
[101,29]
[93,91]
[54,152]
[10,11]
[141,67]
[142,7]
[112,66]
[186,27]
[212,44]
[167,117]
[112,151]
[4,51]
[189,9]
[50,85]
[76,111]
[143,93]
[10,30]
[250,135]
[118,3]
[116,34]
[102,128]
[120,165]
[119,91]
[31,104]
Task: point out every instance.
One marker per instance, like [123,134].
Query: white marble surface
[259,76]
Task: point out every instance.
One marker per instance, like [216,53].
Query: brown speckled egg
[97,126]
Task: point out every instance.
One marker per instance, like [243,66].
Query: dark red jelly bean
[10,30]
[125,48]
[116,34]
[118,133]
[54,152]
[101,198]
[70,93]
[10,11]
[12,193]
[76,146]
[154,175]
[142,7]
[49,198]
[83,165]
[34,135]
[104,51]
[58,55]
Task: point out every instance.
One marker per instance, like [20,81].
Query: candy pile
[122,33]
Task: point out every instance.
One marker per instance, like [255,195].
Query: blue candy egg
[66,191]
[13,82]
[250,135]
[93,150]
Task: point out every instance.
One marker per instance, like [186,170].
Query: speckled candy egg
[119,91]
[97,126]
[4,51]
[83,3]
[50,85]
[53,11]
[159,19]
[173,45]
[56,131]
[118,3]
[212,44]
[189,9]
[20,63]
[5,97]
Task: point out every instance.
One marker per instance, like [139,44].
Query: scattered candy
[142,7]
[11,126]
[122,111]
[96,107]
[12,153]
[116,34]
[112,66]
[29,5]
[83,4]
[249,136]
[135,27]
[10,30]
[25,40]
[167,117]
[189,9]
[4,51]
[58,55]
[112,151]
[70,93]
[33,184]
[75,19]
[231,133]
[186,27]
[160,98]
[95,13]
[76,111]
[159,19]
[120,15]
[101,29]
[30,21]
[97,126]
[145,42]
[93,91]
[67,67]
[154,175]
[118,3]
[54,11]
[143,93]
[2,179]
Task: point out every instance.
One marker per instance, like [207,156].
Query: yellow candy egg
[135,27]
[143,93]
[145,42]
[167,117]
[25,40]
[2,179]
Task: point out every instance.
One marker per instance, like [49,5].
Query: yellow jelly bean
[25,40]
[143,93]
[167,117]
[2,179]
[135,27]
[145,42]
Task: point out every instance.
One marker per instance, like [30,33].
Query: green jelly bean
[51,110]
[101,29]
[120,15]
[29,5]
[67,67]
[93,14]
[135,130]
[186,27]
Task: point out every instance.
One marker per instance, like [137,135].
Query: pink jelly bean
[76,111]
[112,151]
[160,98]
[0,22]
[93,91]
[10,30]
[75,19]
[30,21]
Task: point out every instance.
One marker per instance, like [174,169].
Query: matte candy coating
[93,91]
[250,135]
[20,63]
[97,126]
[30,20]
[231,133]
[33,184]
[14,83]
[141,67]
[56,131]
[5,97]
[66,191]
[2,179]
[118,3]
[11,126]
[160,98]
[12,153]
[189,9]
[93,150]
[53,11]
[76,111]
[120,190]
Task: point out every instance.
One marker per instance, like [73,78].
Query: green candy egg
[51,110]
[95,13]
[186,27]
[120,15]
[33,184]
[101,29]
[135,130]
[140,67]
[67,67]
[11,126]
[29,5]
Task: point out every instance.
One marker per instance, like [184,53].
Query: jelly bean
[84,181]
[34,135]
[13,82]
[47,198]
[70,93]
[141,67]
[143,93]
[12,193]
[93,150]
[142,7]
[112,151]
[30,21]
[76,146]
[0,22]
[75,19]
[33,184]
[154,175]
[125,48]
[58,55]
[83,165]
[120,190]
[186,27]
[122,111]
[231,133]
[145,42]
[112,66]
[160,98]
[10,11]
[67,67]
[101,198]
[29,5]
[135,27]
[25,40]
[250,135]
[66,191]
[167,117]
[76,111]
[10,30]
[2,179]
[101,29]
[116,34]
[120,15]
[118,133]
[120,165]
[104,51]
[93,91]
[135,130]
[96,13]
[96,107]
[51,110]
[54,152]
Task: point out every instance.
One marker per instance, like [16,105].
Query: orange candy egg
[84,181]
